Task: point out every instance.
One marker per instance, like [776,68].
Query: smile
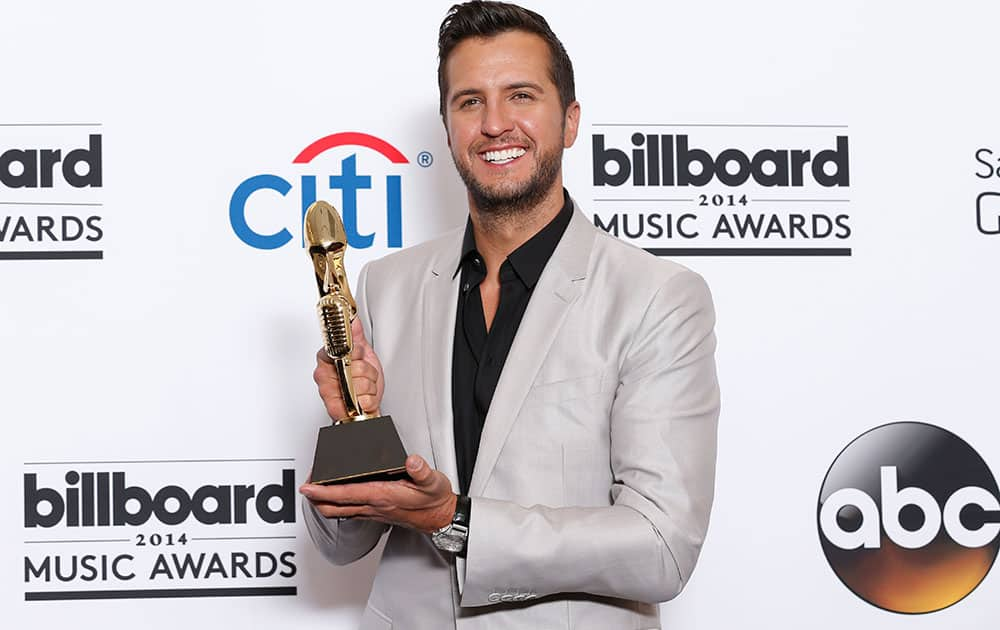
[503,156]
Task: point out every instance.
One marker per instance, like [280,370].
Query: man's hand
[366,376]
[424,502]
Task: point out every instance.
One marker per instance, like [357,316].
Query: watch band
[463,511]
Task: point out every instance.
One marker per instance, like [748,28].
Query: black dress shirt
[479,356]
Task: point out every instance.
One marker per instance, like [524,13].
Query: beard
[507,200]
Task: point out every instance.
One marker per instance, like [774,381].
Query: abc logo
[909,517]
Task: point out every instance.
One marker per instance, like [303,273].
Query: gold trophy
[360,447]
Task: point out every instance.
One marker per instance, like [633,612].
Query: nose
[496,119]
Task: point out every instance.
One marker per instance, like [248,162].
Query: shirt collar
[530,258]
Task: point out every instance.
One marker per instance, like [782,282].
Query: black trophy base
[362,450]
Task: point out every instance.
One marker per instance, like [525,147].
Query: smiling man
[555,387]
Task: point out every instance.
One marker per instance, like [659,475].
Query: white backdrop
[183,355]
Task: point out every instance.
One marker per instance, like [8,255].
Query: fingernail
[414,465]
[306,491]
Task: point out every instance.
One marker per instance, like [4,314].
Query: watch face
[452,539]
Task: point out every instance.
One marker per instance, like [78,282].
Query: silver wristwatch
[455,534]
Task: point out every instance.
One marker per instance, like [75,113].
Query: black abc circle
[938,574]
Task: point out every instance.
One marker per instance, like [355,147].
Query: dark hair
[480,18]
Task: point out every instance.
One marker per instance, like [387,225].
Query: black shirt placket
[480,355]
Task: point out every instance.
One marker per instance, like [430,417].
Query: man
[555,388]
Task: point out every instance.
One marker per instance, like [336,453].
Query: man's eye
[469,102]
[522,96]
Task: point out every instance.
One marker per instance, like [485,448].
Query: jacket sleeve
[343,541]
[663,427]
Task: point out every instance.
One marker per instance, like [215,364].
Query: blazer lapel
[557,289]
[440,297]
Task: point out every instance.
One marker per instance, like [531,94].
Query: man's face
[506,126]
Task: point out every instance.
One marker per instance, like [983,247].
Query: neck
[499,234]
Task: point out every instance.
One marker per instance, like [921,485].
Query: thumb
[362,348]
[418,470]
[358,331]
[359,340]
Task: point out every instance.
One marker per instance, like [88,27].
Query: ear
[571,124]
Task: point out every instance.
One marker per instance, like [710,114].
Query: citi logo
[668,160]
[43,167]
[356,194]
[104,499]
[909,517]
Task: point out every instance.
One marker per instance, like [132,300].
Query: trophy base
[362,450]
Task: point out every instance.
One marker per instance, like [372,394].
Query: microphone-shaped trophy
[360,447]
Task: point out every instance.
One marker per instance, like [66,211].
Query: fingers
[425,503]
[349,495]
[364,371]
[361,370]
[359,342]
[328,385]
[367,377]
[330,510]
[378,495]
[366,380]
[321,356]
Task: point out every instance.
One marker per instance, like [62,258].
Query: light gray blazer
[595,474]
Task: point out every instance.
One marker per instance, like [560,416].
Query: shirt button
[465,289]
[477,262]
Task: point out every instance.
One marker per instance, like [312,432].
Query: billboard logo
[104,499]
[51,181]
[177,527]
[666,160]
[38,168]
[724,189]
[357,194]
[909,517]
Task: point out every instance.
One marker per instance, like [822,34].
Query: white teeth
[502,157]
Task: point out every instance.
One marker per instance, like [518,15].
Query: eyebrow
[520,85]
[525,84]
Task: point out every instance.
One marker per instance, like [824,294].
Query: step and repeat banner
[832,170]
